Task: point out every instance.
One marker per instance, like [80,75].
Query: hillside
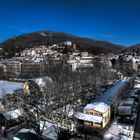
[16,44]
[134,49]
[137,46]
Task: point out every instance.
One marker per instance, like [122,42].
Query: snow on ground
[119,132]
[7,87]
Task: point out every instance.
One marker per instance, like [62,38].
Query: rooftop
[97,106]
[110,95]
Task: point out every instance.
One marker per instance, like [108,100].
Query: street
[137,127]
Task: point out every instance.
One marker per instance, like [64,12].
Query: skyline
[114,21]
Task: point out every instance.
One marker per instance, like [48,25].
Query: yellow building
[26,87]
[95,115]
[99,109]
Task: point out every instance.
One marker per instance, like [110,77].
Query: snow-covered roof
[42,80]
[11,115]
[68,43]
[127,102]
[50,130]
[103,102]
[89,57]
[87,117]
[97,106]
[7,87]
[24,130]
[110,95]
[25,134]
[137,86]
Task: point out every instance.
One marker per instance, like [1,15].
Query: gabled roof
[97,106]
[111,94]
[11,115]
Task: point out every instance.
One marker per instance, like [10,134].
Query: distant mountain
[134,49]
[19,43]
[137,46]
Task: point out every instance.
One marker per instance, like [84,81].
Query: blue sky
[117,21]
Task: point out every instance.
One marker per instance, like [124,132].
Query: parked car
[126,107]
[127,120]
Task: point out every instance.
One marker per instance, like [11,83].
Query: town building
[32,69]
[12,69]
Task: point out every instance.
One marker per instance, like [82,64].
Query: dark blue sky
[117,21]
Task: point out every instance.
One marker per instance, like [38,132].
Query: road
[137,127]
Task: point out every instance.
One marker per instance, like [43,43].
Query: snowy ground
[119,132]
[7,87]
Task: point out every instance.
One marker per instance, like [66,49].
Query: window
[97,114]
[90,113]
[88,123]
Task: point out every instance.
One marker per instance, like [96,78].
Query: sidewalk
[137,126]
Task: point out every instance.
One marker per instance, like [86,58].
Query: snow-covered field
[7,87]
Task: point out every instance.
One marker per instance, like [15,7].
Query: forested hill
[35,39]
[134,47]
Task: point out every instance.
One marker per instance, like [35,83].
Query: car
[126,119]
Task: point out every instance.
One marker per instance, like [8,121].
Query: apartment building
[12,69]
[32,69]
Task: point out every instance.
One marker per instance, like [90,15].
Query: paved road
[137,127]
